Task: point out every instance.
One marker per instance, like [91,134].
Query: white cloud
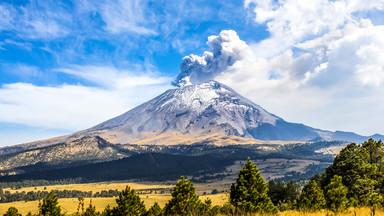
[126,16]
[112,78]
[35,20]
[6,16]
[322,66]
[75,107]
[291,22]
[23,71]
[20,45]
[329,61]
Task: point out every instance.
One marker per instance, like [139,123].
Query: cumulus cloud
[290,22]
[322,65]
[75,107]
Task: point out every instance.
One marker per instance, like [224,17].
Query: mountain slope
[81,151]
[190,113]
[196,110]
[201,110]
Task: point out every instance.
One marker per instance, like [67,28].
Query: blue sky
[68,65]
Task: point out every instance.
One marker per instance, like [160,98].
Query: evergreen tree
[375,150]
[50,205]
[155,210]
[249,193]
[184,199]
[107,211]
[311,198]
[374,202]
[363,188]
[352,164]
[354,202]
[12,211]
[80,206]
[206,208]
[376,156]
[40,207]
[336,195]
[91,210]
[276,191]
[128,203]
[292,191]
[281,193]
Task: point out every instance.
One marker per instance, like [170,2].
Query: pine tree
[40,207]
[12,211]
[375,150]
[80,206]
[50,205]
[184,199]
[281,193]
[91,210]
[249,193]
[359,167]
[206,208]
[311,198]
[336,195]
[107,211]
[354,202]
[374,202]
[129,203]
[155,210]
[351,164]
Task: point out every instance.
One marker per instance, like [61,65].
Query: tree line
[7,196]
[35,183]
[355,179]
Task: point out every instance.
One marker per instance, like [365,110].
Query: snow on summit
[206,109]
[196,110]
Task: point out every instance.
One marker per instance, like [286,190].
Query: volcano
[207,117]
[204,110]
[196,113]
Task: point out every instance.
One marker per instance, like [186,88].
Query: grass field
[99,186]
[95,187]
[350,212]
[70,205]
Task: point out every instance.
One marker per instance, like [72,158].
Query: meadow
[70,205]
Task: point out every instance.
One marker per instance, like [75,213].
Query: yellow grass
[350,212]
[94,187]
[70,205]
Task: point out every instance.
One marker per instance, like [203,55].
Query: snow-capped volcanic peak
[208,111]
[196,110]
[198,98]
